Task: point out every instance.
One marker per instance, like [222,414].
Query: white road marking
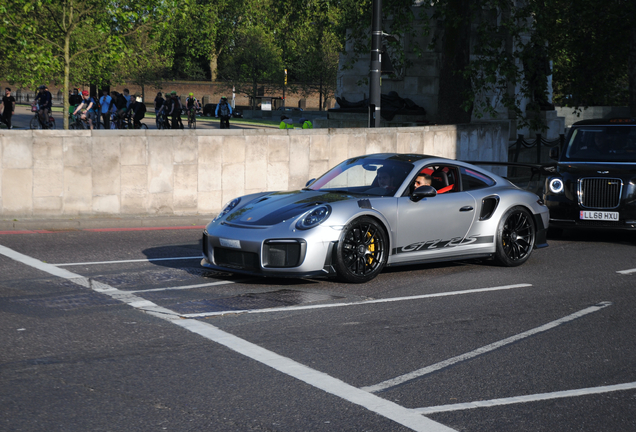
[399,414]
[528,398]
[48,268]
[186,287]
[479,351]
[630,271]
[363,302]
[128,261]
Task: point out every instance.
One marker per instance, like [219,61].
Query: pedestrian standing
[175,111]
[224,111]
[8,107]
[104,103]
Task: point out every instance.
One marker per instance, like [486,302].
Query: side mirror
[310,182]
[554,153]
[423,192]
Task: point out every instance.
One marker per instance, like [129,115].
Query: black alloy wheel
[362,250]
[515,237]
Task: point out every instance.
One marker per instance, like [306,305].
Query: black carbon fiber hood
[276,207]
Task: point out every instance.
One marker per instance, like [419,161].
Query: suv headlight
[556,185]
[227,208]
[313,217]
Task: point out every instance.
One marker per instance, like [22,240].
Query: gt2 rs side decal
[440,244]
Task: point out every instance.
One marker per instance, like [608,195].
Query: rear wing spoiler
[526,176]
[535,168]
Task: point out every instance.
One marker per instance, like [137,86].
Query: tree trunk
[254,91]
[455,57]
[320,91]
[631,72]
[214,64]
[67,72]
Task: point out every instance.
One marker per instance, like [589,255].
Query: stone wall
[110,173]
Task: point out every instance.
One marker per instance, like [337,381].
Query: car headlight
[227,208]
[556,185]
[314,217]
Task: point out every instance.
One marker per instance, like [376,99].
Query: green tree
[187,36]
[253,59]
[592,44]
[229,17]
[147,62]
[314,60]
[49,37]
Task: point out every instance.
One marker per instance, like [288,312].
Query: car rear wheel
[515,237]
[362,251]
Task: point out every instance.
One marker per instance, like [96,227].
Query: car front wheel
[362,251]
[515,237]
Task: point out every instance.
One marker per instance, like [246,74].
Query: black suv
[594,183]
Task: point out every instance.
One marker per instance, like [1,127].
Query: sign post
[376,65]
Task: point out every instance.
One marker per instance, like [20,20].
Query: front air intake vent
[283,253]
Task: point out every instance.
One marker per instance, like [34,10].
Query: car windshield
[602,144]
[379,177]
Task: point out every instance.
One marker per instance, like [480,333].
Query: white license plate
[599,215]
[230,243]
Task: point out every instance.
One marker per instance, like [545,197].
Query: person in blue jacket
[224,111]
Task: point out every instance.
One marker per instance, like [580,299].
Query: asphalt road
[23,116]
[100,332]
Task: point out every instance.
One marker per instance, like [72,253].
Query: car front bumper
[565,214]
[270,251]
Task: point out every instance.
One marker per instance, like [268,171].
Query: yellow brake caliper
[371,249]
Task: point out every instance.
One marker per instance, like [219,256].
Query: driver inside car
[423,179]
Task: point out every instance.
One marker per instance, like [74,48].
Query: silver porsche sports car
[375,211]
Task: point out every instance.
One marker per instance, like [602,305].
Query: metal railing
[539,142]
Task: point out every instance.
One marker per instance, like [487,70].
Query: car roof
[402,157]
[607,122]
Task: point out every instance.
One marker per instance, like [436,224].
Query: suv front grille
[600,193]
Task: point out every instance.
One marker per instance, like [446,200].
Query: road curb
[101,223]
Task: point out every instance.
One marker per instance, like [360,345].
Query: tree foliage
[147,62]
[589,42]
[56,40]
[252,60]
[491,53]
[317,50]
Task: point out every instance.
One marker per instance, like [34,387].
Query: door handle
[466,208]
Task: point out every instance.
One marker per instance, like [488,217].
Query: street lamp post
[376,65]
